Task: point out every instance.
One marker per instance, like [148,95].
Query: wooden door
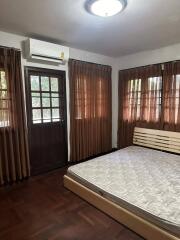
[46,119]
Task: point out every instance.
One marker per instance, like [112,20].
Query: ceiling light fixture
[106,8]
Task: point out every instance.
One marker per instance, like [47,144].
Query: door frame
[46,72]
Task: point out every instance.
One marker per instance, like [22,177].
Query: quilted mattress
[144,181]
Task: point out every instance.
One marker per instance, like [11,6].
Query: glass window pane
[46,120]
[46,114]
[54,84]
[177,81]
[34,83]
[4,114]
[4,104]
[46,102]
[36,121]
[4,118]
[56,119]
[159,83]
[3,83]
[55,113]
[36,114]
[55,102]
[36,103]
[44,83]
[3,94]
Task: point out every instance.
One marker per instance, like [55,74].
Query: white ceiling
[144,24]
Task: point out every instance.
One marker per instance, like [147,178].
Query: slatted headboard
[157,139]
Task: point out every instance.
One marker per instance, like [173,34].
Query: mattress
[144,181]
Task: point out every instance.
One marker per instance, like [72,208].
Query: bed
[138,186]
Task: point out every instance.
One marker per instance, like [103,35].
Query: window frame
[130,93]
[51,97]
[160,97]
[50,73]
[138,92]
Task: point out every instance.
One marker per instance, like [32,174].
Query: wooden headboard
[157,139]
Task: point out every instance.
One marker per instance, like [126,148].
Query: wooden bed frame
[157,139]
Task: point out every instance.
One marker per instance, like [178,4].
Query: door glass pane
[36,103]
[46,102]
[36,114]
[55,113]
[45,95]
[54,84]
[46,114]
[55,95]
[35,94]
[34,83]
[55,102]
[44,83]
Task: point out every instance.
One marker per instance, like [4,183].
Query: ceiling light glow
[106,8]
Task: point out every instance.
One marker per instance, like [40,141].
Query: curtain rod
[17,49]
[90,62]
[149,65]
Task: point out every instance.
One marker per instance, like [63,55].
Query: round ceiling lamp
[106,8]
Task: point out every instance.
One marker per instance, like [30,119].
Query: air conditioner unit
[45,51]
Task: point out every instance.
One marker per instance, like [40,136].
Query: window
[45,99]
[101,99]
[82,100]
[84,107]
[133,100]
[172,99]
[177,98]
[139,97]
[154,99]
[4,101]
[149,97]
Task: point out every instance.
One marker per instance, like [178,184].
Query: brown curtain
[90,109]
[171,93]
[14,161]
[139,101]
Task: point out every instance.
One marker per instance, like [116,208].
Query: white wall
[16,41]
[160,55]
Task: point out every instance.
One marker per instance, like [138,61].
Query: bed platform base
[139,225]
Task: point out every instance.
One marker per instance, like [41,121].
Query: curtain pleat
[14,158]
[90,109]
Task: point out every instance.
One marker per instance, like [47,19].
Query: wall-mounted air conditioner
[45,51]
